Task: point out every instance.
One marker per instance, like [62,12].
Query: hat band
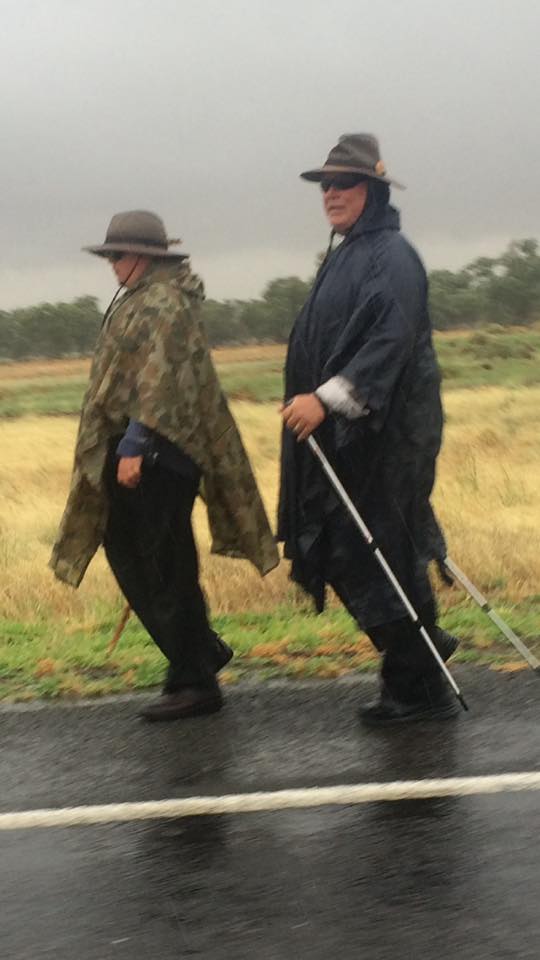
[138,241]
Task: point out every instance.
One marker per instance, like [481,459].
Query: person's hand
[129,471]
[303,414]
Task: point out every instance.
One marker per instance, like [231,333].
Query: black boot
[176,677]
[224,653]
[387,711]
[446,643]
[413,687]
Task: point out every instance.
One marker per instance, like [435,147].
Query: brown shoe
[187,702]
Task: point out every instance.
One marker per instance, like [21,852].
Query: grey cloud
[207,112]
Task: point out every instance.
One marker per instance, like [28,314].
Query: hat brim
[104,249]
[315,176]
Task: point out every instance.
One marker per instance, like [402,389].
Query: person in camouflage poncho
[155,428]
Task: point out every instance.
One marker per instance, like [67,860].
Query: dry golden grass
[488,498]
[488,490]
[34,475]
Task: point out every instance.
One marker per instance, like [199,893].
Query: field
[53,640]
[493,357]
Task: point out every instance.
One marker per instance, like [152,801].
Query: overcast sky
[206,111]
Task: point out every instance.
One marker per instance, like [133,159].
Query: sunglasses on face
[344,181]
[115,257]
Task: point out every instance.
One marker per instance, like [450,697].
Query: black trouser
[409,671]
[151,550]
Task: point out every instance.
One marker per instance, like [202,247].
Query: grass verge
[45,660]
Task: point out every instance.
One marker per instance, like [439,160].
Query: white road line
[276,800]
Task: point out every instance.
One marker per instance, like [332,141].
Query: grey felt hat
[137,231]
[354,153]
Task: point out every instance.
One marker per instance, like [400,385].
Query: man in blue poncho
[361,372]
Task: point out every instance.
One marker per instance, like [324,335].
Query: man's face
[128,267]
[344,198]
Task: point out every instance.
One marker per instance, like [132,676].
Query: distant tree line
[50,330]
[503,290]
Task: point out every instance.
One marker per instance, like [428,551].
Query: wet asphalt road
[417,879]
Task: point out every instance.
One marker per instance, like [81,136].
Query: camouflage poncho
[152,364]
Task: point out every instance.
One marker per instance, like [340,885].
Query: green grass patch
[496,356]
[260,381]
[45,396]
[50,660]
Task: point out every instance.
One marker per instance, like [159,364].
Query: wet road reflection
[435,878]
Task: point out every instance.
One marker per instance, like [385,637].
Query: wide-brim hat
[137,231]
[354,153]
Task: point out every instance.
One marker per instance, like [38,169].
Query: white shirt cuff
[339,396]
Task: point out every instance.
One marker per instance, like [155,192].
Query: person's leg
[409,671]
[150,547]
[412,683]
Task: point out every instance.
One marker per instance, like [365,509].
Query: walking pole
[340,490]
[118,632]
[479,598]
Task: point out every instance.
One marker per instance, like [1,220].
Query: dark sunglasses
[343,181]
[115,257]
